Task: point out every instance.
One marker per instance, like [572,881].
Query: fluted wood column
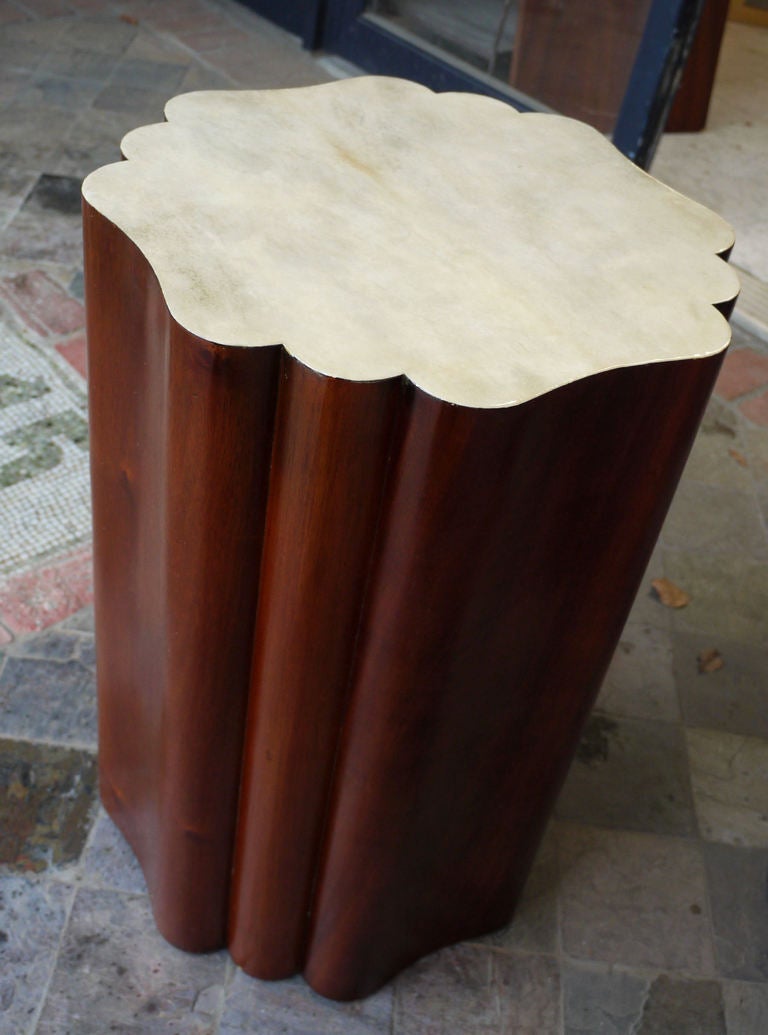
[357,583]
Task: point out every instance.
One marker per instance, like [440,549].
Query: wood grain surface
[181,433]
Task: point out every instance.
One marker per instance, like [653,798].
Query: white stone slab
[375,228]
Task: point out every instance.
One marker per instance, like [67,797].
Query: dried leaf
[738,457]
[710,660]
[129,19]
[669,594]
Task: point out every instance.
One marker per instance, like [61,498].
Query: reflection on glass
[572,55]
[479,32]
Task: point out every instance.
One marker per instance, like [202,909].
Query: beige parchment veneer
[375,228]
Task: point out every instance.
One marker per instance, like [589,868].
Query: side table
[389,395]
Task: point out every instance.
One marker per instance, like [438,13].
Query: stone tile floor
[646,911]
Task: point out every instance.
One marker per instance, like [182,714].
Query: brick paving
[645,911]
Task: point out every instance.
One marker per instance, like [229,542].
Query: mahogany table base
[348,633]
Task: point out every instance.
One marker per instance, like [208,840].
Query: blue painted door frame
[342,27]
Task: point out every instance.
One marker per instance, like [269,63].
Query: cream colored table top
[375,228]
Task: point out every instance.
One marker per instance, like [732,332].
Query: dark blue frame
[302,18]
[666,43]
[341,27]
[375,48]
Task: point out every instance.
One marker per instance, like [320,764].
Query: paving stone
[87,6]
[746,1008]
[682,1007]
[81,620]
[107,34]
[729,594]
[714,520]
[646,609]
[55,193]
[30,134]
[76,286]
[43,305]
[601,1000]
[731,699]
[38,599]
[257,64]
[46,805]
[56,238]
[14,186]
[59,91]
[163,76]
[87,653]
[714,457]
[212,36]
[534,925]
[12,82]
[115,973]
[145,105]
[9,12]
[43,33]
[48,700]
[528,991]
[744,370]
[729,775]
[200,78]
[32,917]
[737,879]
[93,141]
[182,17]
[264,1007]
[149,46]
[18,56]
[478,992]
[109,862]
[53,645]
[639,682]
[756,448]
[637,900]
[80,63]
[74,352]
[48,8]
[631,774]
[756,409]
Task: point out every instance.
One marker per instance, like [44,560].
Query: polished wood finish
[691,105]
[329,472]
[577,58]
[492,615]
[181,432]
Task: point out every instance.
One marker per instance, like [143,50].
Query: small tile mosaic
[43,457]
[37,599]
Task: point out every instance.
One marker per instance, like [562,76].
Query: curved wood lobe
[512,545]
[181,432]
[329,468]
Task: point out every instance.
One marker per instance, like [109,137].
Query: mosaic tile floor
[646,911]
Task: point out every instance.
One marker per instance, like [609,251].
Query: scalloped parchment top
[375,228]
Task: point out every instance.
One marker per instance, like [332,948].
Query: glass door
[613,65]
